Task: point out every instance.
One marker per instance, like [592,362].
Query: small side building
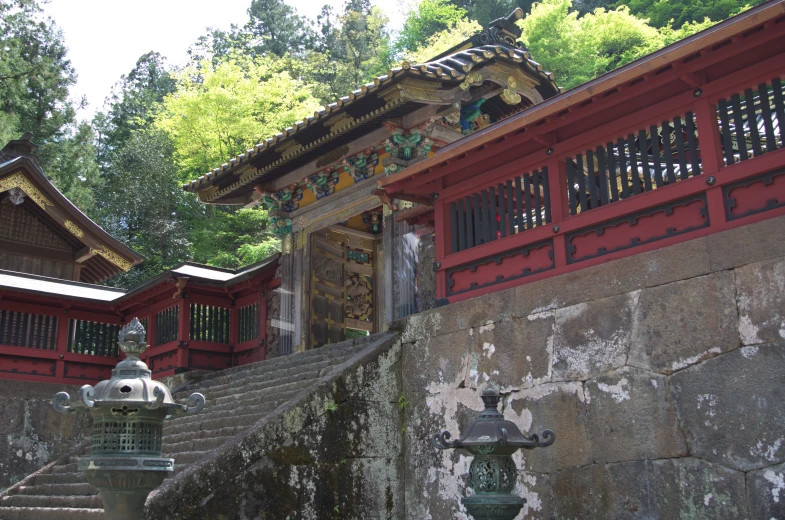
[43,233]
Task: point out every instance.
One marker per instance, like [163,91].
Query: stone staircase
[237,399]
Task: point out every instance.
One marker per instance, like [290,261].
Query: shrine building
[355,260]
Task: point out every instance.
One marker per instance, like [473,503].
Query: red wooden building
[56,328]
[682,143]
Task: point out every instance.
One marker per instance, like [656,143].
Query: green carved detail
[281,225]
[357,256]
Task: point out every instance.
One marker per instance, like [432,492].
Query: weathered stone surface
[631,416]
[730,407]
[561,408]
[33,433]
[462,315]
[679,324]
[761,294]
[537,489]
[649,269]
[356,489]
[674,488]
[746,244]
[436,359]
[592,338]
[766,492]
[511,354]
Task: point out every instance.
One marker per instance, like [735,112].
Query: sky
[106,37]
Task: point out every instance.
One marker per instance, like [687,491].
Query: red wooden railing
[697,163]
[74,341]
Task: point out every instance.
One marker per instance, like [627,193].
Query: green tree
[133,103]
[443,40]
[429,18]
[220,111]
[579,48]
[233,238]
[351,49]
[35,74]
[143,205]
[676,13]
[485,11]
[275,27]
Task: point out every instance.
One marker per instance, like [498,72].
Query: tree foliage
[220,111]
[441,41]
[233,238]
[579,48]
[430,17]
[676,13]
[143,204]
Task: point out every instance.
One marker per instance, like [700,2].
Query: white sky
[106,37]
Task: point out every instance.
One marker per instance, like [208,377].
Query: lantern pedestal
[128,414]
[492,440]
[493,506]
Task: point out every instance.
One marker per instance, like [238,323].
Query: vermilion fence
[696,163]
[57,339]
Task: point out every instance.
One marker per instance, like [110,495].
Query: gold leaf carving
[73,228]
[332,156]
[113,257]
[18,180]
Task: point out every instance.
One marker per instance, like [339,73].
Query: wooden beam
[82,255]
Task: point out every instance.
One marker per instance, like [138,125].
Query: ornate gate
[342,285]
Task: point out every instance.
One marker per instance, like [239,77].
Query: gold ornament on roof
[113,257]
[73,228]
[18,180]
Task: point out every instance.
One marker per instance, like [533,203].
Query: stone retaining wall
[32,433]
[661,374]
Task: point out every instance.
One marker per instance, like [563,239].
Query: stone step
[71,467]
[191,435]
[44,513]
[205,444]
[184,459]
[266,380]
[230,420]
[239,399]
[59,478]
[214,420]
[342,349]
[81,488]
[72,501]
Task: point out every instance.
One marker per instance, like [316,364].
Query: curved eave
[449,70]
[60,208]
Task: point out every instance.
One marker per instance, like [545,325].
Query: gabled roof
[364,109]
[197,274]
[20,171]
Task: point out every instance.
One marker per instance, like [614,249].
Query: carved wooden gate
[342,285]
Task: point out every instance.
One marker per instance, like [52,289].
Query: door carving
[342,285]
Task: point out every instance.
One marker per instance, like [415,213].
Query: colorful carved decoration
[373,219]
[359,297]
[510,94]
[323,183]
[280,225]
[362,165]
[472,118]
[408,145]
[288,199]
